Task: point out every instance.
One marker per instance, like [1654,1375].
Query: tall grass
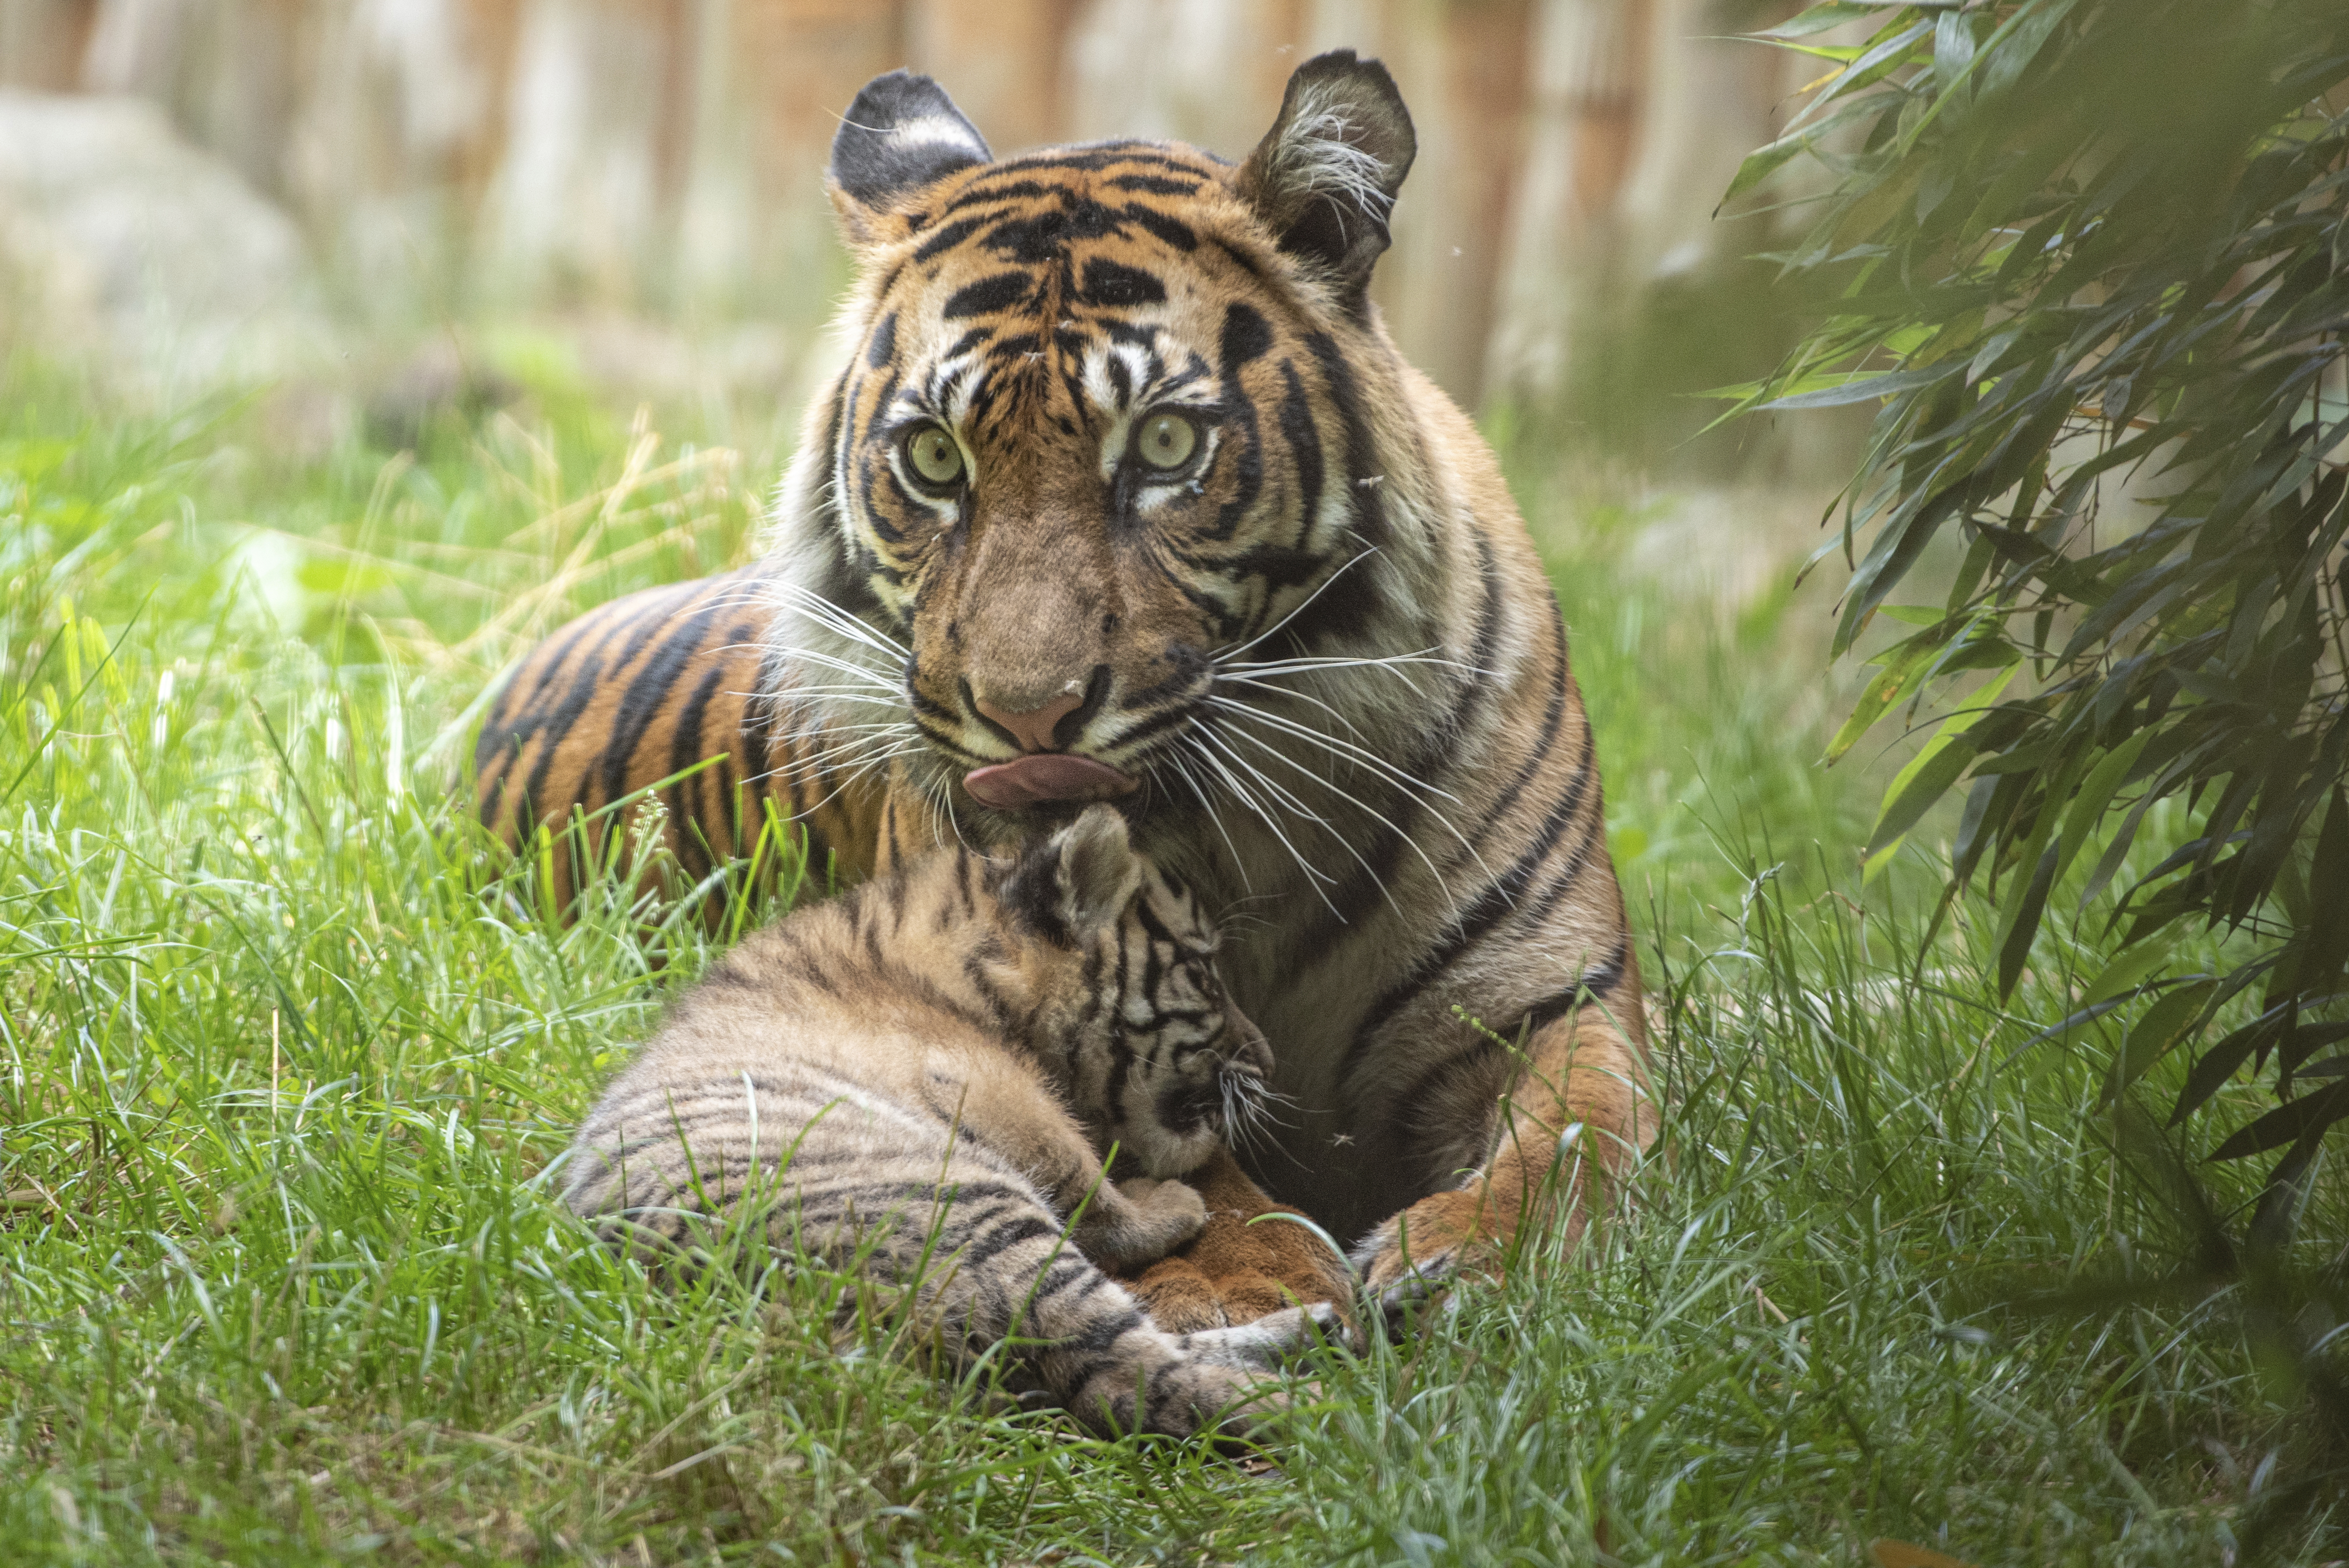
[284,1053]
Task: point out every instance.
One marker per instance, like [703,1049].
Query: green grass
[282,1053]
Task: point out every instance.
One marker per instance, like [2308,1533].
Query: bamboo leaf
[2174,1018]
[2019,920]
[1861,388]
[2290,1120]
[2128,969]
[1820,18]
[2096,792]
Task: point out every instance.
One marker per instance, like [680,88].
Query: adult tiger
[1124,492]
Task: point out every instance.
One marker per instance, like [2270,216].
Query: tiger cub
[931,1072]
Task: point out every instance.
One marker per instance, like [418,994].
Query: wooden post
[491,31]
[44,42]
[1462,65]
[1003,62]
[1587,112]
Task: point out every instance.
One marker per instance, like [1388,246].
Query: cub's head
[1131,1024]
[1106,443]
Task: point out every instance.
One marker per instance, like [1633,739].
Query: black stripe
[1100,155]
[1246,338]
[1438,747]
[994,188]
[1004,291]
[589,681]
[1002,1236]
[1597,983]
[1304,439]
[1165,719]
[1112,285]
[1362,461]
[648,690]
[1473,1060]
[1552,716]
[1102,1333]
[1168,231]
[1465,930]
[1154,185]
[499,732]
[945,239]
[685,748]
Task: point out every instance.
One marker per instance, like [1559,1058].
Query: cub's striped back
[929,1072]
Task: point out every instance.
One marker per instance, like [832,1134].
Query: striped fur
[658,684]
[927,1075]
[1323,647]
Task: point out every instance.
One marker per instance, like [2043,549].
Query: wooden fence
[665,156]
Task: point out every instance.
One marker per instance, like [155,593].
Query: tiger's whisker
[1183,771]
[1420,788]
[1364,553]
[1246,799]
[1299,806]
[1372,812]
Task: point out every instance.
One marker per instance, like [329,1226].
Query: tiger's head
[1107,441]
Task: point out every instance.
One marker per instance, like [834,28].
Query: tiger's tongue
[1045,776]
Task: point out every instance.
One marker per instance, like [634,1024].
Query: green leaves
[1929,774]
[2087,264]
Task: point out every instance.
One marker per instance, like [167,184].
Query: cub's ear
[1076,883]
[1099,873]
[902,133]
[1324,178]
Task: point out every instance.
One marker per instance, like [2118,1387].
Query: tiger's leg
[1234,1271]
[1581,1115]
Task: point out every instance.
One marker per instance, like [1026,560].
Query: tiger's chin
[1046,778]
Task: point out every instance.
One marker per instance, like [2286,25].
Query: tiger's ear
[902,133]
[1324,178]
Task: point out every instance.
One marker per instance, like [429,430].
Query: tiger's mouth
[1043,778]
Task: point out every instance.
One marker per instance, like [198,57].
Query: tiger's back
[660,696]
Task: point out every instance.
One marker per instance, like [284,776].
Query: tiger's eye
[934,454]
[1167,441]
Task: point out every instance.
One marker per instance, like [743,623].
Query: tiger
[926,1079]
[1119,491]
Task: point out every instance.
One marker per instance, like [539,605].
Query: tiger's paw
[1183,1297]
[1251,1260]
[1271,1340]
[1412,1259]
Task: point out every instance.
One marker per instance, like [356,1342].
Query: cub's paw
[1272,1340]
[1145,1219]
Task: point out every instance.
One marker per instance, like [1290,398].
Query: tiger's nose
[1033,730]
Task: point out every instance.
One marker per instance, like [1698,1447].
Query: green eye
[1167,441]
[934,455]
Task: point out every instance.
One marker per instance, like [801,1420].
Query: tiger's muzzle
[1046,775]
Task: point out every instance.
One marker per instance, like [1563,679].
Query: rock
[144,261]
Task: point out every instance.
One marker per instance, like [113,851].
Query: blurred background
[198,189]
[451,317]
